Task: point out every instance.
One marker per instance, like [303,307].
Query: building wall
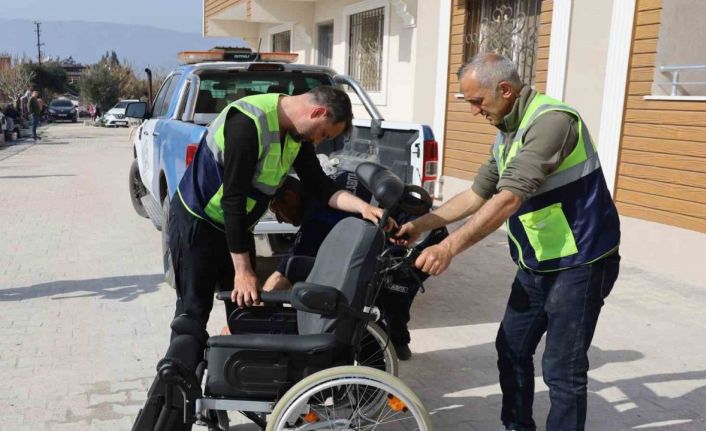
[468,138]
[586,68]
[213,7]
[410,60]
[662,165]
[425,61]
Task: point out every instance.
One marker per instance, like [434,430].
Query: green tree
[49,76]
[130,86]
[100,85]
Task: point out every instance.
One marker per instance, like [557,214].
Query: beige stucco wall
[681,42]
[410,60]
[586,66]
[426,53]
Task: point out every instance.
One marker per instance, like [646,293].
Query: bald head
[490,69]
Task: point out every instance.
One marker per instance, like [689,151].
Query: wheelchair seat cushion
[284,343]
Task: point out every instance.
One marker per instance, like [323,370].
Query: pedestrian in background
[35,110]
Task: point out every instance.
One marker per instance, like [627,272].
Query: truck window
[219,89]
[159,100]
[168,88]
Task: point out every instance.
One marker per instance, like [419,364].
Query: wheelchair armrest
[315,298]
[319,299]
[277,296]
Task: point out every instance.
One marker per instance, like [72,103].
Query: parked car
[194,94]
[116,115]
[62,110]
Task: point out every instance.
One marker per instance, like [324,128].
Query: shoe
[502,428]
[403,352]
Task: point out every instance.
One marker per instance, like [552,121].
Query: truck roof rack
[235,54]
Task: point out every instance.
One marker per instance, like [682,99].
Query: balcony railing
[675,72]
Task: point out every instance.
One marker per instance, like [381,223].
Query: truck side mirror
[137,110]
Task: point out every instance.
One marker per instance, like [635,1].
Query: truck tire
[137,190]
[166,253]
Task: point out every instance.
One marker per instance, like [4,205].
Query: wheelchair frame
[212,412]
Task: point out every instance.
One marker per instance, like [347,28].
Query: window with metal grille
[325,46]
[281,42]
[365,48]
[508,27]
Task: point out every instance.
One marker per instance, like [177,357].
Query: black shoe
[403,352]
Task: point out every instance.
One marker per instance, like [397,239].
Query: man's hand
[374,214]
[244,292]
[406,235]
[435,259]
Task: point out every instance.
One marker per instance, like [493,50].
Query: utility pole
[39,43]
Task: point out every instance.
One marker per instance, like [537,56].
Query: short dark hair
[337,103]
[290,183]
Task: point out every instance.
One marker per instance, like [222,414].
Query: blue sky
[181,15]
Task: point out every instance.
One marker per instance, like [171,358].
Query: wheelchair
[308,374]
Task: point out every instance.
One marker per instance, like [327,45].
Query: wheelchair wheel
[349,398]
[377,351]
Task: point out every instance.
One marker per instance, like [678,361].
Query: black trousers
[202,263]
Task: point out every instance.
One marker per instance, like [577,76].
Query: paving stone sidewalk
[84,316]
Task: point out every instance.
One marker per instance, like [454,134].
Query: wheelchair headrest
[386,187]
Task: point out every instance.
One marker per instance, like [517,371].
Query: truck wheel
[137,190]
[166,253]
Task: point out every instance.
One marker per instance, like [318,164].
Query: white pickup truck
[194,94]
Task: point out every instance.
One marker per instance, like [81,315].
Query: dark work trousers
[395,305]
[202,263]
[565,305]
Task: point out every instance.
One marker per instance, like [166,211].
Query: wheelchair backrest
[346,261]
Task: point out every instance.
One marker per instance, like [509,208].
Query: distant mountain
[142,46]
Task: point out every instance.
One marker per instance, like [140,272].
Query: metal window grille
[281,42]
[325,44]
[508,27]
[365,48]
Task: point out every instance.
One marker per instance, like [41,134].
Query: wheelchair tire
[306,402]
[383,358]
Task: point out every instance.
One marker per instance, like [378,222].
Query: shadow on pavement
[124,288]
[462,391]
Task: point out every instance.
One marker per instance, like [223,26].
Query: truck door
[147,146]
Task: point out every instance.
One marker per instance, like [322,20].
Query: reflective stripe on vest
[540,227]
[272,166]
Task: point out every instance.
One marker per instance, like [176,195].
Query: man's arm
[321,186]
[240,158]
[435,259]
[277,281]
[460,206]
